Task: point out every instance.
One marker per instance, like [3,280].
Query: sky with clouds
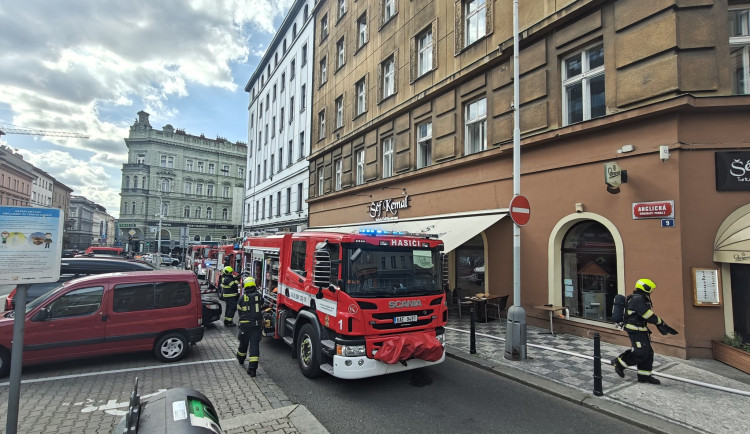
[89,66]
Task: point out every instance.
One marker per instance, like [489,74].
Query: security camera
[664,153]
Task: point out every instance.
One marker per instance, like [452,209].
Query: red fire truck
[352,305]
[226,255]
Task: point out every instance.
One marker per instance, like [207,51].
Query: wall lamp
[403,190]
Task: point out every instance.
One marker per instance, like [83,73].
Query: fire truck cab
[352,305]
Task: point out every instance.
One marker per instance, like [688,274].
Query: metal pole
[161,210]
[16,359]
[597,366]
[515,344]
[473,332]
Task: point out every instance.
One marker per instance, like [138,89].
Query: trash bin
[179,410]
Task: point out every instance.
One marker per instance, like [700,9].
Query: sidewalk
[562,365]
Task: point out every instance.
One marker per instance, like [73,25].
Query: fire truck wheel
[308,351]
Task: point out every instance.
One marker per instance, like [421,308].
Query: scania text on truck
[352,305]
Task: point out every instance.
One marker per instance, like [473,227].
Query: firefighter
[251,326]
[229,292]
[638,315]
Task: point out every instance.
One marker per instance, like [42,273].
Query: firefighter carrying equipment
[665,329]
[420,345]
[645,285]
[229,292]
[251,317]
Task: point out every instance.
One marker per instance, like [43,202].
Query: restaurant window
[589,271]
[470,265]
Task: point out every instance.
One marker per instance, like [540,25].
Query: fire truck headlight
[350,350]
[441,338]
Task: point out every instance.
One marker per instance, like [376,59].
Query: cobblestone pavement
[91,396]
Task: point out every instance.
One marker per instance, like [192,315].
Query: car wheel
[308,351]
[171,347]
[4,362]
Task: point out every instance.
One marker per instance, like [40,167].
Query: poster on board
[30,244]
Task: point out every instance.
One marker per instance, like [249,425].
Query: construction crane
[35,132]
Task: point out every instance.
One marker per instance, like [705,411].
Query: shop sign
[387,209]
[653,210]
[732,171]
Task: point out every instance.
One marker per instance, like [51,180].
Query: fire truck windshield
[387,271]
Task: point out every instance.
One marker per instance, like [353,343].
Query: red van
[157,311]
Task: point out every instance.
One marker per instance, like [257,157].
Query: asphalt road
[451,397]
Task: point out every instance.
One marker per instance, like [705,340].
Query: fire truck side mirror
[319,295]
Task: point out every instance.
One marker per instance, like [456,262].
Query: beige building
[412,128]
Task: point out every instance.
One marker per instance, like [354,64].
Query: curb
[605,406]
[298,415]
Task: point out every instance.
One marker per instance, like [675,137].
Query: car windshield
[386,271]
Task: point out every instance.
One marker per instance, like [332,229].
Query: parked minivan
[157,311]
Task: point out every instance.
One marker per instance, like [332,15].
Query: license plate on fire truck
[404,319]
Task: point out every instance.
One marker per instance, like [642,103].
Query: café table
[551,309]
[481,302]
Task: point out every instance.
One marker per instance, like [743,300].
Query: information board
[30,244]
[706,287]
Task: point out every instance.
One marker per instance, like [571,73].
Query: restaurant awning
[454,229]
[732,244]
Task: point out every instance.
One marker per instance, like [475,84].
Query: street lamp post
[161,212]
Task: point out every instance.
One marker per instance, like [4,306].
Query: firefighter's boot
[648,379]
[618,367]
[251,372]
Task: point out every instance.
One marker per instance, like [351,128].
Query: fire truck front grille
[393,326]
[391,315]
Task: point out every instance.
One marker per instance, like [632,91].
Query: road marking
[112,406]
[118,371]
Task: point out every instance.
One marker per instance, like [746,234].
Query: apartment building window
[263,210]
[225,170]
[288,200]
[200,167]
[273,127]
[198,211]
[739,50]
[211,168]
[292,70]
[143,183]
[127,182]
[199,188]
[257,175]
[210,190]
[299,197]
[289,152]
[340,112]
[583,85]
[475,20]
[341,53]
[324,28]
[278,204]
[389,10]
[360,167]
[320,181]
[225,214]
[388,71]
[265,131]
[301,145]
[141,159]
[189,165]
[163,161]
[476,128]
[424,145]
[260,112]
[257,209]
[294,30]
[225,191]
[341,8]
[339,170]
[186,211]
[388,157]
[360,90]
[274,92]
[303,100]
[281,158]
[303,60]
[323,67]
[322,124]
[362,30]
[209,213]
[283,82]
[281,119]
[291,109]
[270,205]
[241,172]
[165,185]
[424,50]
[272,164]
[188,187]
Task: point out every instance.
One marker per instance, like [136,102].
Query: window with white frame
[299,197]
[322,124]
[424,145]
[388,72]
[165,184]
[188,187]
[241,172]
[165,209]
[302,102]
[341,53]
[320,182]
[739,49]
[141,159]
[225,214]
[389,10]
[339,169]
[323,71]
[360,167]
[340,112]
[210,190]
[211,168]
[186,211]
[303,56]
[475,20]
[278,203]
[424,49]
[583,85]
[189,165]
[361,94]
[199,188]
[388,157]
[225,170]
[476,126]
[225,191]
[341,8]
[362,30]
[209,213]
[302,145]
[288,200]
[163,162]
[289,150]
[200,167]
[281,158]
[324,27]
[198,211]
[291,109]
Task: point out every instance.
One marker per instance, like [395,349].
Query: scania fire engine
[352,305]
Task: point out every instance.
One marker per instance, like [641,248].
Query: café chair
[501,305]
[462,302]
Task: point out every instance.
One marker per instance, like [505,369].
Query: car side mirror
[42,315]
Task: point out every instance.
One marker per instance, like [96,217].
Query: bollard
[597,366]
[473,334]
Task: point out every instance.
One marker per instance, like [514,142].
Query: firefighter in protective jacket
[251,326]
[229,292]
[638,315]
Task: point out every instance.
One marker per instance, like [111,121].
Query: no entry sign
[520,210]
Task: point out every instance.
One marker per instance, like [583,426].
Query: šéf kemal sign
[732,171]
[653,210]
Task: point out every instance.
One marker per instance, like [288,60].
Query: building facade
[41,189]
[16,178]
[189,185]
[413,130]
[103,228]
[279,128]
[81,223]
